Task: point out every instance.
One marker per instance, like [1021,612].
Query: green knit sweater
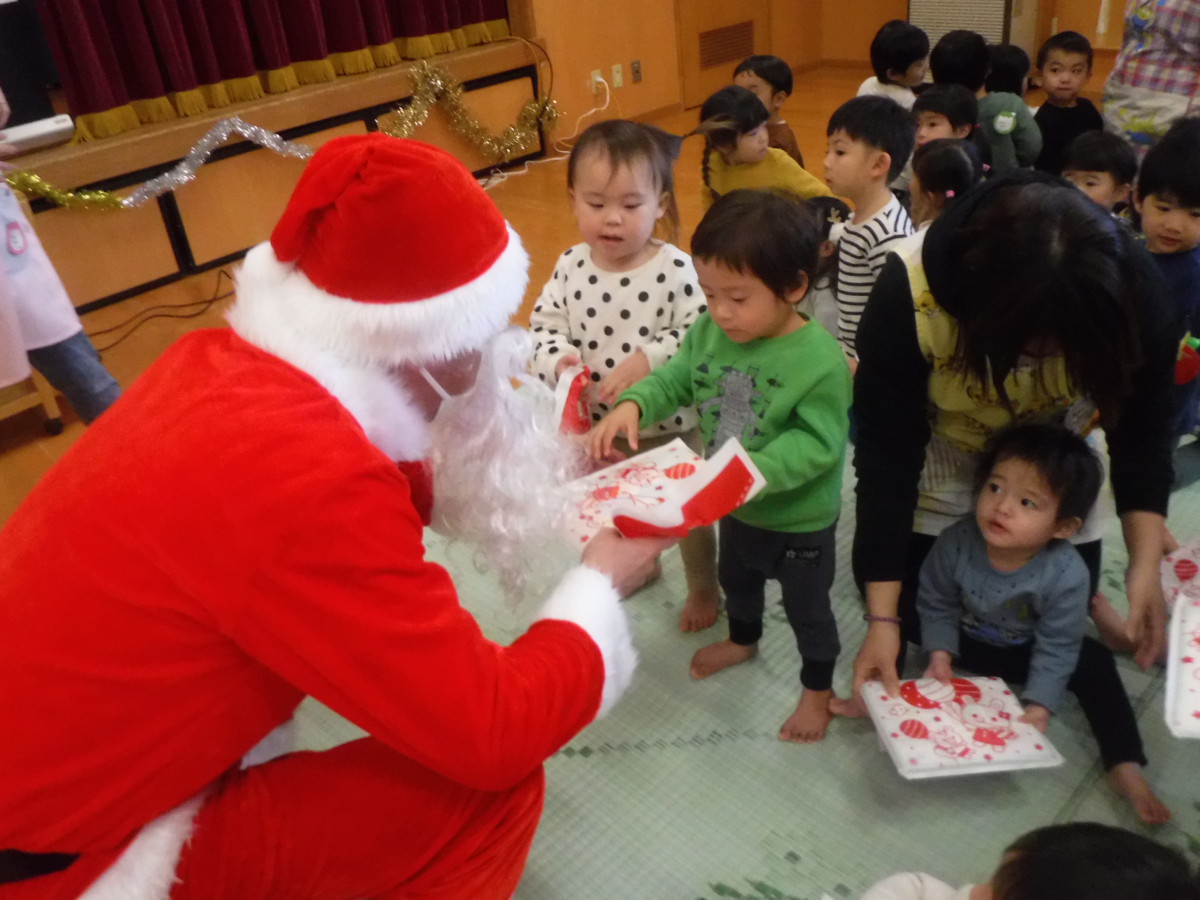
[785,398]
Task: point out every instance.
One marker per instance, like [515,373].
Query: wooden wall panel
[234,203]
[90,248]
[699,16]
[495,107]
[796,32]
[847,28]
[582,36]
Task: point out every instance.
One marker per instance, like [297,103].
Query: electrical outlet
[596,81]
[618,76]
[635,71]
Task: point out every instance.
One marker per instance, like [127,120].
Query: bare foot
[808,723]
[649,575]
[712,659]
[1128,781]
[1110,625]
[853,708]
[699,611]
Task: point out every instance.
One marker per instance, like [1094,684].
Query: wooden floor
[534,201]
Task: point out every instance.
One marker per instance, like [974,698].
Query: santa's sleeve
[588,598]
[348,610]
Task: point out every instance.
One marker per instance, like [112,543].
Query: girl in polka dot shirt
[620,301]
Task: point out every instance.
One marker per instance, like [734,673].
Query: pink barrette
[950,194]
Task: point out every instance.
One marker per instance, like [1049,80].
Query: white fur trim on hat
[389,334]
[587,598]
[146,870]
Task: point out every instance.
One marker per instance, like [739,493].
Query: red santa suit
[229,538]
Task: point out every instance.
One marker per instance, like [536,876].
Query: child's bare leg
[808,723]
[1128,780]
[1109,624]
[699,553]
[713,658]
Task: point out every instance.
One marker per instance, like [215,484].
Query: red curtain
[113,52]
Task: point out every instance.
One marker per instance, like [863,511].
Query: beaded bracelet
[867,617]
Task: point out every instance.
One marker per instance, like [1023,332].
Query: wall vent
[730,44]
[989,17]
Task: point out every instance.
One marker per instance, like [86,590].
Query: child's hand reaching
[622,420]
[939,666]
[565,362]
[628,372]
[1037,716]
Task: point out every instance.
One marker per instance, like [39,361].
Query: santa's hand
[939,666]
[565,362]
[628,372]
[622,420]
[1037,716]
[622,559]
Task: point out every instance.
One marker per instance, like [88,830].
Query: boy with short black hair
[1064,64]
[769,78]
[1168,200]
[900,58]
[1003,594]
[1102,165]
[1007,126]
[960,57]
[870,140]
[945,111]
[757,371]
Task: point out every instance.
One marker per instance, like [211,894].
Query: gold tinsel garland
[433,86]
[33,186]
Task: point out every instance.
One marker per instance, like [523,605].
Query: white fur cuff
[146,870]
[588,598]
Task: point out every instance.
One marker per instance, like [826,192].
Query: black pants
[803,564]
[1095,682]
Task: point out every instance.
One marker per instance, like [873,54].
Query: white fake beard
[500,466]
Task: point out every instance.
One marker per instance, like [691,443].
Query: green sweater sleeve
[784,399]
[667,388]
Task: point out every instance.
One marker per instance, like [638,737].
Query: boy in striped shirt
[870,139]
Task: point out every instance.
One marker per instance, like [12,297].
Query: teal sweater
[784,398]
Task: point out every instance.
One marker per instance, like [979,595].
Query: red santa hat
[388,251]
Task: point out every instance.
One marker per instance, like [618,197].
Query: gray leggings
[803,564]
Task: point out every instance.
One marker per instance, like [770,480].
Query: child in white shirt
[620,302]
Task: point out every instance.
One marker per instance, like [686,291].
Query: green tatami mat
[684,791]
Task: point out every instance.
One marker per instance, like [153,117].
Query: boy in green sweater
[759,371]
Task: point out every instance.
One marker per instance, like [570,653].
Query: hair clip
[834,217]
[950,194]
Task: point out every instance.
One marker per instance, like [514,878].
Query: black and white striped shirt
[861,252]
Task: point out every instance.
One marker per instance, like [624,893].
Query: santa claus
[244,529]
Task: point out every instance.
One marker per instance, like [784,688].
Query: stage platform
[239,194]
